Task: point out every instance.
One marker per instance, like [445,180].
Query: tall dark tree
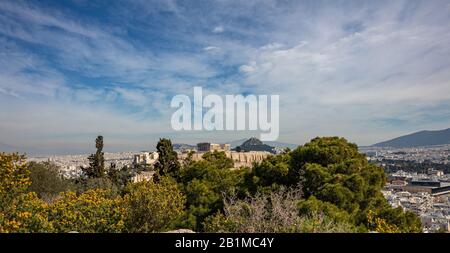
[167,163]
[96,167]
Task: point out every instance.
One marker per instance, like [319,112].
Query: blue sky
[365,70]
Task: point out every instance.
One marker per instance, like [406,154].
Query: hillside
[7,148]
[253,144]
[422,138]
[276,144]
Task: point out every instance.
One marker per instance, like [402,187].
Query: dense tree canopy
[332,171]
[205,183]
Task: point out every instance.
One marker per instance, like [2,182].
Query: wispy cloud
[367,70]
[218,29]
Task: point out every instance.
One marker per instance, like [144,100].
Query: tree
[202,201]
[218,159]
[332,171]
[153,206]
[46,181]
[205,183]
[268,175]
[96,167]
[103,183]
[312,205]
[167,163]
[120,177]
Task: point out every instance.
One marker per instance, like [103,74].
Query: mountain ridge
[418,139]
[7,148]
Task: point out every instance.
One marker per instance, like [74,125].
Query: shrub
[152,207]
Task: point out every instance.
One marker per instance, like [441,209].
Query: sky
[365,70]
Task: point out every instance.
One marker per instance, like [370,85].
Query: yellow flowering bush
[380,225]
[90,212]
[13,175]
[152,207]
[20,211]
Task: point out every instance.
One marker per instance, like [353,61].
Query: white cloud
[251,67]
[341,83]
[211,48]
[272,46]
[218,29]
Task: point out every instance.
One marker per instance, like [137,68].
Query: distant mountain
[281,145]
[183,146]
[422,138]
[276,144]
[254,144]
[8,148]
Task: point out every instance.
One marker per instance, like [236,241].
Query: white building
[146,158]
[143,176]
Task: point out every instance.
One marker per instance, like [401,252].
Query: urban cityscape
[424,188]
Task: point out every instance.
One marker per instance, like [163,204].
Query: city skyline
[368,71]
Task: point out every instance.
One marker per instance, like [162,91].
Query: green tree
[46,180]
[218,159]
[268,175]
[312,205]
[332,171]
[102,183]
[205,183]
[96,167]
[167,163]
[120,177]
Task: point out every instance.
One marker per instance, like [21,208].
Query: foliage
[24,214]
[313,206]
[14,175]
[167,163]
[325,185]
[20,211]
[90,212]
[103,183]
[218,159]
[380,225]
[274,212]
[96,167]
[204,183]
[268,175]
[46,181]
[120,177]
[152,207]
[332,171]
